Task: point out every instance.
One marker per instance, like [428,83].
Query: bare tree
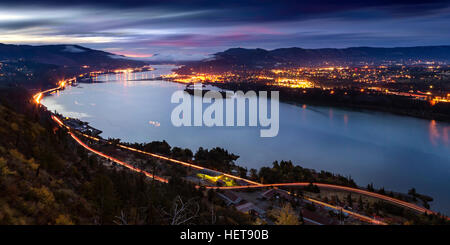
[182,212]
[122,219]
[213,215]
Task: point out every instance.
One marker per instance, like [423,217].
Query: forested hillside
[46,178]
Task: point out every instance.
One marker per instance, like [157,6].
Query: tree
[103,193]
[242,172]
[360,203]
[349,200]
[4,170]
[44,195]
[312,188]
[122,219]
[253,174]
[63,219]
[182,154]
[211,194]
[182,212]
[286,215]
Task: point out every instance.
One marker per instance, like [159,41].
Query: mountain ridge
[64,55]
[238,58]
[441,53]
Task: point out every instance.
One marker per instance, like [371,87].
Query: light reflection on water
[438,134]
[391,151]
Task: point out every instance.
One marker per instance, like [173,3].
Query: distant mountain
[254,58]
[43,66]
[64,55]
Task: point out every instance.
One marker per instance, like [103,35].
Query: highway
[336,187]
[62,84]
[251,184]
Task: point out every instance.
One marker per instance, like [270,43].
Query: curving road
[163,180]
[335,187]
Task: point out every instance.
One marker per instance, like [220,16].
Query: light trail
[187,164]
[336,187]
[62,84]
[253,184]
[59,122]
[358,216]
[124,164]
[259,185]
[37,98]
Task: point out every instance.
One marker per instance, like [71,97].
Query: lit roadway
[62,84]
[251,184]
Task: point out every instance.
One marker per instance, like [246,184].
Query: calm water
[391,151]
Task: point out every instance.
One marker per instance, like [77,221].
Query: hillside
[46,179]
[43,66]
[64,55]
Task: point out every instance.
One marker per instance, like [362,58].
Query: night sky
[185,30]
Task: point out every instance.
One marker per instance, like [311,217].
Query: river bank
[351,99]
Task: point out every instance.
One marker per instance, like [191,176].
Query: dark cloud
[257,10]
[18,25]
[201,27]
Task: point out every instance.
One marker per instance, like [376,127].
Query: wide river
[390,151]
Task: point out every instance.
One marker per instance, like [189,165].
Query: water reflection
[124,76]
[438,134]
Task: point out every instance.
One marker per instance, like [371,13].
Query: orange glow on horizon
[134,55]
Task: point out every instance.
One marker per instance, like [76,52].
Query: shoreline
[315,102]
[341,105]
